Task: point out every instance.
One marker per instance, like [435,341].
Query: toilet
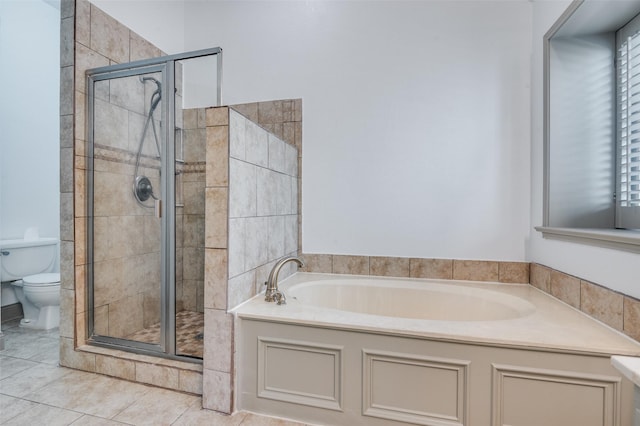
[40,298]
[28,264]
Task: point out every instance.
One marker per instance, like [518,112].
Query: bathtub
[360,350]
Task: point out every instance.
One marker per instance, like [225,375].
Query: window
[592,125]
[628,104]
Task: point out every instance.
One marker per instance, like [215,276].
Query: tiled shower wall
[263,205]
[190,188]
[252,217]
[126,248]
[89,39]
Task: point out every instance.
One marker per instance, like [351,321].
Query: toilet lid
[50,278]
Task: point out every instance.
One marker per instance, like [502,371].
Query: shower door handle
[158,208]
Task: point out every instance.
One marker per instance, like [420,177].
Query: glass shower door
[146,202]
[126,207]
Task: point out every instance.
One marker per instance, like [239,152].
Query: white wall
[29,118]
[161,22]
[612,268]
[415,116]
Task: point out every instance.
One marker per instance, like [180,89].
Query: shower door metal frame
[165,65]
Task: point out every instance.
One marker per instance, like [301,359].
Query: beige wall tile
[216,392]
[86,59]
[67,264]
[79,202]
[631,319]
[218,116]
[218,340]
[602,304]
[157,375]
[289,133]
[216,232]
[475,270]
[566,288]
[190,381]
[116,367]
[389,266]
[66,90]
[81,288]
[66,170]
[297,110]
[241,288]
[317,263]
[67,321]
[126,316]
[75,359]
[83,22]
[431,268]
[250,110]
[80,242]
[142,49]
[513,272]
[66,131]
[215,279]
[270,112]
[541,277]
[66,41]
[356,265]
[66,216]
[109,37]
[217,156]
[67,8]
[81,328]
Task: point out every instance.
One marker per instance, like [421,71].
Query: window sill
[617,239]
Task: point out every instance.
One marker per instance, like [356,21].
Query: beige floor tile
[90,393]
[157,407]
[87,420]
[10,366]
[24,344]
[44,415]
[198,416]
[10,407]
[31,379]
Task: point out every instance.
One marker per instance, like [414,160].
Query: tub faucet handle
[272,294]
[280,298]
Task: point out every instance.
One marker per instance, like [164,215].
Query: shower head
[155,80]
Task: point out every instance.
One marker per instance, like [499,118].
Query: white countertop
[553,326]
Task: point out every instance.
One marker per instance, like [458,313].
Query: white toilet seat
[42,280]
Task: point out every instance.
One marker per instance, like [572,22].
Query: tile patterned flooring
[35,391]
[189,332]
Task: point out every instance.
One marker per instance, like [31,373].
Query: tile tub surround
[446,269]
[617,310]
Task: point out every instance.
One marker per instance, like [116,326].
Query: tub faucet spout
[272,293]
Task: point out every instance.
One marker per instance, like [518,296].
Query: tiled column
[218,339]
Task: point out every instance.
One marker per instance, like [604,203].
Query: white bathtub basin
[405,299]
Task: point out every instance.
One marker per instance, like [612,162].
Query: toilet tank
[19,258]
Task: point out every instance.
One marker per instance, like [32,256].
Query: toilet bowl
[40,298]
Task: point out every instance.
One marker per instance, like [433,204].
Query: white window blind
[628,82]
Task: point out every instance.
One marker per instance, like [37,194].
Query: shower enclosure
[145,201]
